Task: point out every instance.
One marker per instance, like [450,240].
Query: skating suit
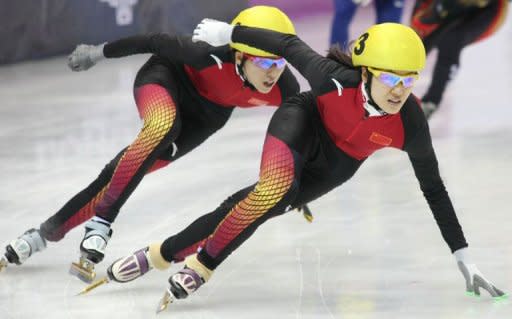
[184,93]
[315,142]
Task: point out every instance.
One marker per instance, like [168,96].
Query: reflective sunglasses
[266,63]
[391,79]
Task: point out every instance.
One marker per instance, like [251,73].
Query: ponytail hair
[340,55]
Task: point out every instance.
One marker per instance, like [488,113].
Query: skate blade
[94,285]
[306,213]
[167,299]
[3,263]
[309,218]
[83,270]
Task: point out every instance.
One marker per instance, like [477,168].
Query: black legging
[175,123]
[299,164]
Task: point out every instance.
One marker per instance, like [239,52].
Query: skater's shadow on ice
[12,271]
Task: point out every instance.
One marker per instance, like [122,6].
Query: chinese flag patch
[255,101]
[380,139]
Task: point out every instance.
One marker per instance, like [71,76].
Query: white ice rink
[373,251]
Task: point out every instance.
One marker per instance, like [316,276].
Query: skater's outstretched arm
[424,161]
[317,69]
[173,47]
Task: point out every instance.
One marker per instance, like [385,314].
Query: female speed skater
[184,93]
[316,141]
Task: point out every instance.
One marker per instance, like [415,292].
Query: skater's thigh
[293,123]
[158,71]
[194,131]
[328,169]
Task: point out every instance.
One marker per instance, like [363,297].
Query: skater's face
[390,89]
[262,73]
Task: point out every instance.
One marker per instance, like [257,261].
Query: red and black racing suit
[451,26]
[315,142]
[184,93]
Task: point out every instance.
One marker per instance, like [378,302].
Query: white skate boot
[185,282]
[20,249]
[181,284]
[132,267]
[92,248]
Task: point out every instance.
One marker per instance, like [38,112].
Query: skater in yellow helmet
[360,102]
[184,93]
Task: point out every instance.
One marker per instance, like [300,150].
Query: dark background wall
[31,29]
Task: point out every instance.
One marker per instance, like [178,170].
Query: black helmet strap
[368,88]
[240,69]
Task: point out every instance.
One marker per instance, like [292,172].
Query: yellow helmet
[264,17]
[389,46]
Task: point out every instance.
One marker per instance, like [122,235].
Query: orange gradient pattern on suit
[87,211]
[157,109]
[188,251]
[84,214]
[276,177]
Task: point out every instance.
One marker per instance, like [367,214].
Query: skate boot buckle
[83,270]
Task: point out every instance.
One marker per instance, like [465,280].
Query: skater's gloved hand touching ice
[213,32]
[474,278]
[85,56]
